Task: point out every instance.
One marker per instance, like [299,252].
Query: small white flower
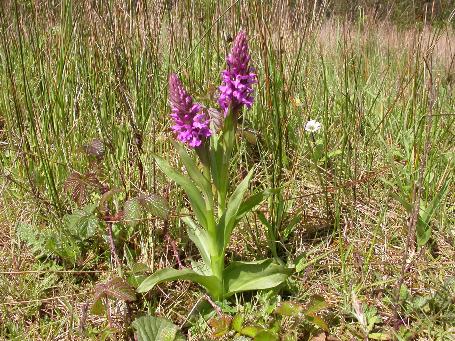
[312,126]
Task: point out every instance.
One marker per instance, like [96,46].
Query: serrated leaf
[317,303]
[289,309]
[150,328]
[95,148]
[132,212]
[82,223]
[117,288]
[78,185]
[156,205]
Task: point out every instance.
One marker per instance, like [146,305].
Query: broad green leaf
[227,221]
[194,172]
[423,233]
[83,223]
[209,282]
[200,238]
[242,276]
[194,196]
[201,268]
[317,303]
[133,212]
[150,328]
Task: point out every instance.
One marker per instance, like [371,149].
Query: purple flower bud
[192,125]
[236,89]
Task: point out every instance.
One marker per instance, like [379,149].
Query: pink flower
[236,89]
[192,126]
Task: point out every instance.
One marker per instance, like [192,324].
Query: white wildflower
[312,126]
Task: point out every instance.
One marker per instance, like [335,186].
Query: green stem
[217,271]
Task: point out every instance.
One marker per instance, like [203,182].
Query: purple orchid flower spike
[192,126]
[236,89]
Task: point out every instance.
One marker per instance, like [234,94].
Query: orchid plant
[217,210]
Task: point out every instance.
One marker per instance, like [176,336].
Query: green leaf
[98,308]
[82,224]
[317,321]
[423,228]
[237,322]
[156,205]
[201,268]
[209,282]
[266,335]
[200,238]
[102,205]
[301,263]
[227,221]
[194,172]
[220,325]
[250,331]
[379,336]
[271,233]
[317,303]
[243,276]
[133,212]
[253,201]
[194,195]
[150,328]
[289,309]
